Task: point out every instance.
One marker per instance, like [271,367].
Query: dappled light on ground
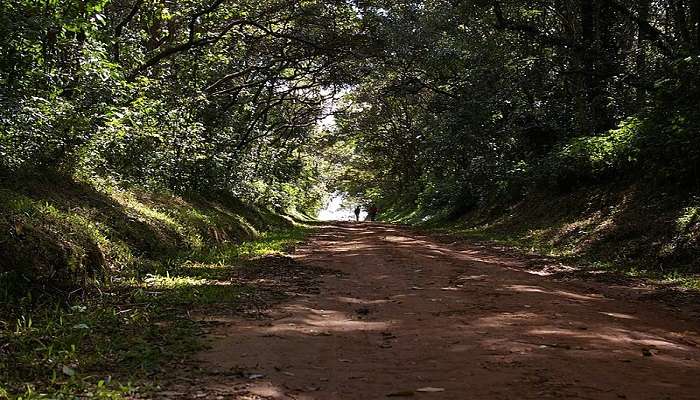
[397,313]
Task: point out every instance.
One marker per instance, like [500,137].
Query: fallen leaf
[429,389]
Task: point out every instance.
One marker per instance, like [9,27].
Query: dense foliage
[473,102]
[446,104]
[194,96]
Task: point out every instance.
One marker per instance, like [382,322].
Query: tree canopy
[438,104]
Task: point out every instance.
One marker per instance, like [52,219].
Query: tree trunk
[598,55]
[605,51]
[643,13]
[586,10]
[680,21]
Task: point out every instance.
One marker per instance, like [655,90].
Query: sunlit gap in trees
[332,97]
[338,209]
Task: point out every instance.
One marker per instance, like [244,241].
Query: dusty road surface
[401,315]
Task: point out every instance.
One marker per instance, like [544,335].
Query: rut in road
[402,312]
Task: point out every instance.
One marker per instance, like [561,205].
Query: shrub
[591,158]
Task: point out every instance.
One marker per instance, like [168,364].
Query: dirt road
[402,315]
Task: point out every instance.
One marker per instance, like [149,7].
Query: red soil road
[406,312]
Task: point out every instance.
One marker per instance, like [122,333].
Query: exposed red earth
[402,315]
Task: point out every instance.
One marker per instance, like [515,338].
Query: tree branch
[645,27]
[503,23]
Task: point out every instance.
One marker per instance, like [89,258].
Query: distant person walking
[357,213]
[372,212]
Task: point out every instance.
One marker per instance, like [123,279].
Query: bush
[671,140]
[592,158]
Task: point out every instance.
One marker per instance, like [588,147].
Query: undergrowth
[98,283]
[537,243]
[113,342]
[635,230]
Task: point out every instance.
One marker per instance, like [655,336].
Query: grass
[132,266]
[79,349]
[539,242]
[631,229]
[113,344]
[534,241]
[268,243]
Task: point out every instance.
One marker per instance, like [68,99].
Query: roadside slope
[57,233]
[97,283]
[633,229]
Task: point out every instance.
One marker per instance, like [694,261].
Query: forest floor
[394,313]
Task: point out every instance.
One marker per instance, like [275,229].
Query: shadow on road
[402,315]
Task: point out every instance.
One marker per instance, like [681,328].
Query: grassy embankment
[97,282]
[632,230]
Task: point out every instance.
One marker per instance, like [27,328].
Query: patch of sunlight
[688,217]
[267,390]
[245,224]
[195,215]
[337,209]
[688,281]
[265,246]
[355,300]
[539,289]
[166,289]
[618,315]
[507,318]
[307,320]
[195,264]
[165,282]
[145,211]
[275,242]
